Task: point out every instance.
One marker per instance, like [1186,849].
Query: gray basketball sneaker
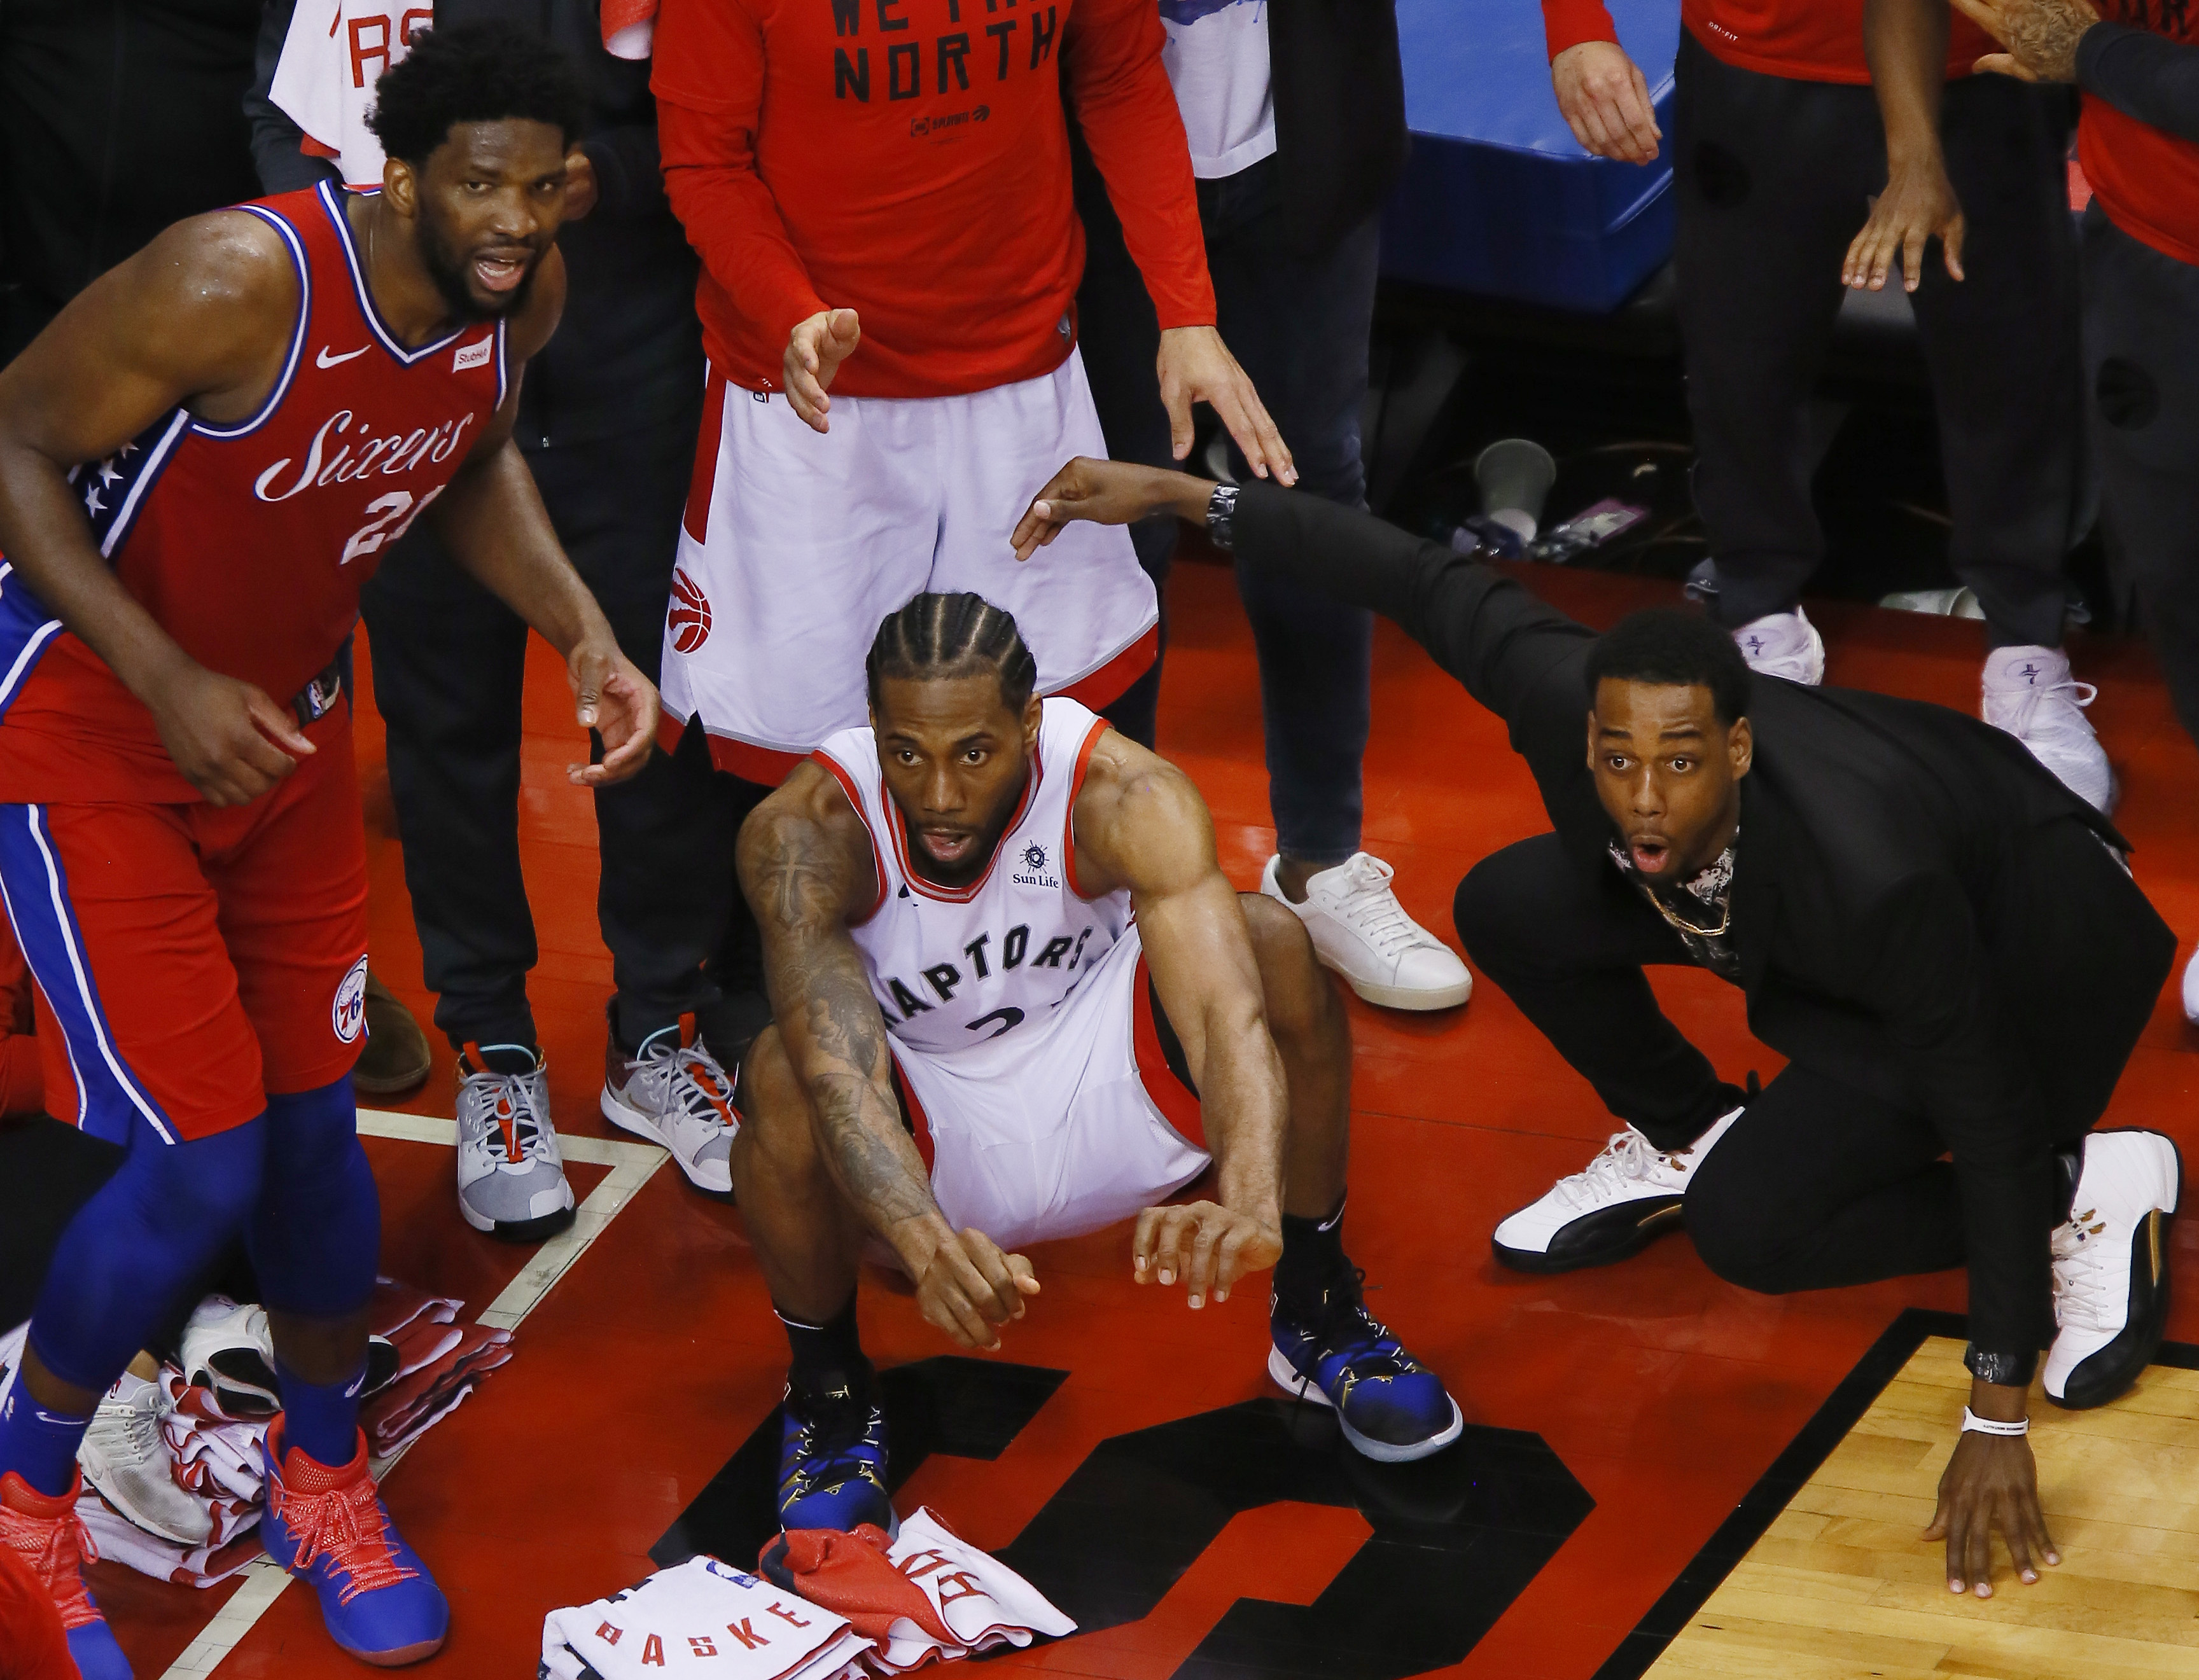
[511,1180]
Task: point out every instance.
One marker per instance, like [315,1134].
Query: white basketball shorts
[1061,1126]
[795,547]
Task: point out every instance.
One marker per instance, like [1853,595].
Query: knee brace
[316,1233]
[141,1239]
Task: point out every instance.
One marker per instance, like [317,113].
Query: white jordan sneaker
[1628,1196]
[1361,930]
[512,1178]
[2111,1267]
[2191,990]
[673,1091]
[126,1458]
[2029,693]
[226,1347]
[1783,644]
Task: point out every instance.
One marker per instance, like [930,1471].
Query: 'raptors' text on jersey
[956,967]
[248,543]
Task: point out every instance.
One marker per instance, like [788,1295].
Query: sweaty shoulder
[1139,821]
[201,317]
[226,279]
[805,855]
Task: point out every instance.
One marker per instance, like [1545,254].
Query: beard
[448,270]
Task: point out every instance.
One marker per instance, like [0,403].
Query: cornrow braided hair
[944,636]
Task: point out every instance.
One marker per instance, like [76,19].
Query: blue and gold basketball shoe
[1335,1353]
[832,1454]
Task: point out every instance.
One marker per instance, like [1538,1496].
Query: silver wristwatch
[1221,516]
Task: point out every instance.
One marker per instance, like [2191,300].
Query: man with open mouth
[1941,938]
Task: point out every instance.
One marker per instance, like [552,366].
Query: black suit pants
[1773,179]
[1818,1185]
[449,661]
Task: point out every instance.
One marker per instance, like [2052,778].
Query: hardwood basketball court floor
[1662,1474]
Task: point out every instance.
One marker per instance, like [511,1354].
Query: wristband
[2003,1370]
[1221,517]
[1993,1426]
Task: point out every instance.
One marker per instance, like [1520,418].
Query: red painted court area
[1662,1392]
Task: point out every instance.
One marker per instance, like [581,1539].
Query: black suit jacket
[1903,924]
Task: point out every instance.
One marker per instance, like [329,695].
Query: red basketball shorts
[195,959]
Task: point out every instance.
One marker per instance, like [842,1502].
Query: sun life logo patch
[348,1014]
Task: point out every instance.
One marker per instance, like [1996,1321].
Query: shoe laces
[137,1422]
[1370,905]
[508,1103]
[1345,1330]
[1628,1158]
[345,1525]
[838,1437]
[2083,1297]
[691,1078]
[2047,709]
[56,1548]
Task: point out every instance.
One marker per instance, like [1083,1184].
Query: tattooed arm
[806,865]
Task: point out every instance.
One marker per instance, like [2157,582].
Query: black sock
[1313,1258]
[2069,1167]
[832,1349]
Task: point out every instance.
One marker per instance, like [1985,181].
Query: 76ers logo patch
[689,620]
[348,1014]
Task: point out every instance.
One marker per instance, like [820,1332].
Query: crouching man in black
[1940,938]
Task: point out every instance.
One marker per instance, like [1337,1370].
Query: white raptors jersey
[954,967]
[334,55]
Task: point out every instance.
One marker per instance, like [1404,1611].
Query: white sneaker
[2029,693]
[1361,930]
[1629,1196]
[226,1347]
[2191,990]
[2111,1267]
[1783,644]
[673,1091]
[511,1179]
[126,1458]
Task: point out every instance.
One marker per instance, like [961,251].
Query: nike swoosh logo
[325,360]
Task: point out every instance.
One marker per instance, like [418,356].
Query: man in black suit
[1941,938]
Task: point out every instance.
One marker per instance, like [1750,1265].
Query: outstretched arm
[806,866]
[1141,825]
[1516,656]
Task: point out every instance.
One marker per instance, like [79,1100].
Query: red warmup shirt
[908,159]
[2146,180]
[1804,40]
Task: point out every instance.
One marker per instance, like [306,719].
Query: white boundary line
[632,1165]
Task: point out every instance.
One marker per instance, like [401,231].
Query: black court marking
[1455,1538]
[1803,1457]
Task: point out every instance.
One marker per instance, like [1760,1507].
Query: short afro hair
[473,72]
[1665,645]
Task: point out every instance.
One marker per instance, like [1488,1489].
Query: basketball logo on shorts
[689,620]
[348,1014]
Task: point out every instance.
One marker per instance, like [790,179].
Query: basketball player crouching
[1016,1000]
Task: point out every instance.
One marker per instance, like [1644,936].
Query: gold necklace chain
[1683,926]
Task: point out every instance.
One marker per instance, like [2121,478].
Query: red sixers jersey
[248,543]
